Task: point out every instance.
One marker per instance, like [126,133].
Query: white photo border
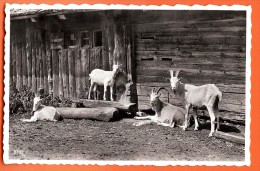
[248,10]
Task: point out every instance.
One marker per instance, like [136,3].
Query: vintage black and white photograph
[127,85]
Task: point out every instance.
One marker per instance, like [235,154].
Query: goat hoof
[196,129]
[210,135]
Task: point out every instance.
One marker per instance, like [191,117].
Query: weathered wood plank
[34,81]
[14,62]
[188,49]
[11,63]
[55,69]
[19,81]
[72,81]
[49,60]
[199,40]
[29,52]
[190,24]
[61,59]
[191,72]
[230,137]
[92,62]
[231,88]
[169,65]
[176,52]
[78,73]
[204,79]
[83,74]
[204,31]
[44,62]
[24,64]
[65,73]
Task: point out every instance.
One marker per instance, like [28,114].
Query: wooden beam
[230,137]
[128,107]
[99,113]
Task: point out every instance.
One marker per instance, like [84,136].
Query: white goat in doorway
[103,78]
[197,96]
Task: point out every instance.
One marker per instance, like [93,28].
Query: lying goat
[42,112]
[197,96]
[105,78]
[165,113]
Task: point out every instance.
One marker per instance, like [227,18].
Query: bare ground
[93,140]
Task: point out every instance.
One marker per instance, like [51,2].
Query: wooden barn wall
[208,46]
[28,55]
[43,56]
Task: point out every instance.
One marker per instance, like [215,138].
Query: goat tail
[217,100]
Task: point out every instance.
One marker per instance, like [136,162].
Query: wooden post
[24,65]
[65,73]
[119,50]
[38,57]
[14,61]
[55,69]
[60,74]
[72,83]
[49,60]
[77,72]
[110,35]
[19,66]
[83,68]
[29,52]
[34,82]
[11,62]
[105,53]
[44,63]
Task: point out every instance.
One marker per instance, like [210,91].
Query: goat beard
[174,92]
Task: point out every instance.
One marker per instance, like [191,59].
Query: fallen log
[100,113]
[126,107]
[230,137]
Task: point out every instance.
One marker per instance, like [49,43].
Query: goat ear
[168,79]
[148,95]
[171,73]
[177,73]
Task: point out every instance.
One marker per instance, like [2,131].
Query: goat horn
[177,73]
[171,72]
[160,89]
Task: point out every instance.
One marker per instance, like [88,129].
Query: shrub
[22,101]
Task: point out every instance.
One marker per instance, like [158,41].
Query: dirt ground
[93,140]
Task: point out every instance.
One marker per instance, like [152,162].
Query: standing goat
[105,78]
[197,96]
[165,113]
[42,112]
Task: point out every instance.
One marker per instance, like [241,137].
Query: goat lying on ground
[190,95]
[42,112]
[165,113]
[105,78]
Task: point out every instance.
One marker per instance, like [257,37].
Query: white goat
[42,112]
[165,113]
[105,78]
[197,96]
